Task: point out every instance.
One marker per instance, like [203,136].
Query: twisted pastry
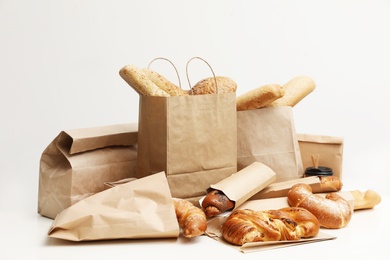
[290,223]
[332,211]
[191,219]
[215,203]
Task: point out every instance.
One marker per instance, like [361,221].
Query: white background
[59,64]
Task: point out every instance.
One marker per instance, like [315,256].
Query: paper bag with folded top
[267,135]
[78,162]
[328,148]
[141,208]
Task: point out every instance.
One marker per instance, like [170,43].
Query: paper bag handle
[212,71]
[162,58]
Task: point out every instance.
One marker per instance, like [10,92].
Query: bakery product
[259,97]
[330,182]
[192,219]
[365,200]
[295,90]
[332,211]
[207,86]
[164,83]
[137,79]
[290,223]
[215,203]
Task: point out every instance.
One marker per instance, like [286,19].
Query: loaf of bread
[332,211]
[330,183]
[215,203]
[164,83]
[295,90]
[208,86]
[365,200]
[140,82]
[290,223]
[259,97]
[191,219]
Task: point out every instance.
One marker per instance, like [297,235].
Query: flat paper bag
[78,162]
[267,135]
[193,139]
[329,149]
[141,208]
[241,186]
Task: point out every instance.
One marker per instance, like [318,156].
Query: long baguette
[295,90]
[164,83]
[259,97]
[137,79]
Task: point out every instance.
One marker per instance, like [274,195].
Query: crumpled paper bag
[142,208]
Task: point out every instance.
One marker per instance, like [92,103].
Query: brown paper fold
[141,208]
[242,185]
[77,162]
[280,189]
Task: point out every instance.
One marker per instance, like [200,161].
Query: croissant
[192,219]
[332,211]
[289,223]
[215,203]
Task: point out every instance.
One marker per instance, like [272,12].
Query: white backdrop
[59,64]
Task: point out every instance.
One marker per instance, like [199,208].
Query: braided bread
[215,203]
[332,211]
[191,219]
[290,223]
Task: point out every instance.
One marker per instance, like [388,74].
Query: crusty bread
[207,86]
[295,90]
[215,203]
[289,223]
[137,79]
[164,83]
[332,211]
[365,200]
[259,97]
[191,219]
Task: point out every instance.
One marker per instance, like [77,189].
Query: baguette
[164,83]
[295,90]
[140,82]
[207,86]
[259,97]
[365,200]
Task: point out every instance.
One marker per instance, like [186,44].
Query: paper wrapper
[280,189]
[141,208]
[242,185]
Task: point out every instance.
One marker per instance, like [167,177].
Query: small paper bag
[267,135]
[193,139]
[78,162]
[136,209]
[329,149]
[241,186]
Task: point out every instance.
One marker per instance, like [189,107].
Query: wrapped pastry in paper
[239,187]
[141,208]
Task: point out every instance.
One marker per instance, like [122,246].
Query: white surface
[59,63]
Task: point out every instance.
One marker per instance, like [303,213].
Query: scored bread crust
[208,86]
[259,97]
[289,223]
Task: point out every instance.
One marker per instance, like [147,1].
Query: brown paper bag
[267,135]
[78,162]
[329,149]
[131,210]
[193,139]
[241,186]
